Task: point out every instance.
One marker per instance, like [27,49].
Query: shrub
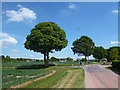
[37,66]
[116,64]
[6,60]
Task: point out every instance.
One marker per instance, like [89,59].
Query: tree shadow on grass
[114,70]
[36,66]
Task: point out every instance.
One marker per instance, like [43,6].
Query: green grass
[62,70]
[16,64]
[13,77]
[61,73]
[74,79]
[65,63]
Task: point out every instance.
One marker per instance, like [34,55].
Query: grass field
[65,77]
[16,64]
[12,76]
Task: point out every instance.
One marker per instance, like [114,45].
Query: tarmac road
[97,76]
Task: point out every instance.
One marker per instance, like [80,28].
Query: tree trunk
[45,59]
[48,58]
[85,60]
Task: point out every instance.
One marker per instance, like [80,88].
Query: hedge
[116,64]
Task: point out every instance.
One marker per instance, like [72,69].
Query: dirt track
[28,82]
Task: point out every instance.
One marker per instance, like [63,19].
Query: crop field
[16,64]
[65,63]
[14,77]
[11,76]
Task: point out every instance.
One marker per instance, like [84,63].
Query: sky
[99,21]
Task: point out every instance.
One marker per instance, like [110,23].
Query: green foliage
[83,46]
[58,59]
[113,53]
[7,57]
[6,60]
[99,53]
[2,56]
[35,66]
[116,64]
[46,36]
[11,60]
[83,59]
[69,59]
[54,59]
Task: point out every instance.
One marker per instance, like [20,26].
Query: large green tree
[113,53]
[99,53]
[46,37]
[83,46]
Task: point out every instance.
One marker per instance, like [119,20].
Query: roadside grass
[114,70]
[73,77]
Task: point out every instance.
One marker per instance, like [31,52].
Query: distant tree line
[68,59]
[52,59]
[7,59]
[84,46]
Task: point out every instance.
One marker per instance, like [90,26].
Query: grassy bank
[65,77]
[114,70]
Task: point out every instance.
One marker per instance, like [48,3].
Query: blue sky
[99,21]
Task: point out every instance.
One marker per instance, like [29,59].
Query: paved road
[96,76]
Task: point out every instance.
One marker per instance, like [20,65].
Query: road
[96,76]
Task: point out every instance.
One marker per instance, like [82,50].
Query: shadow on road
[114,70]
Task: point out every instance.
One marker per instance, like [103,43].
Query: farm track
[69,80]
[31,81]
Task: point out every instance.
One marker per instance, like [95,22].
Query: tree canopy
[113,53]
[45,37]
[83,46]
[99,53]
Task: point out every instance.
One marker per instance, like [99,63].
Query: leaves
[45,37]
[99,52]
[83,45]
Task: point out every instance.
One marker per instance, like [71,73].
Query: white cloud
[6,40]
[115,42]
[71,5]
[19,5]
[115,11]
[20,15]
[14,50]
